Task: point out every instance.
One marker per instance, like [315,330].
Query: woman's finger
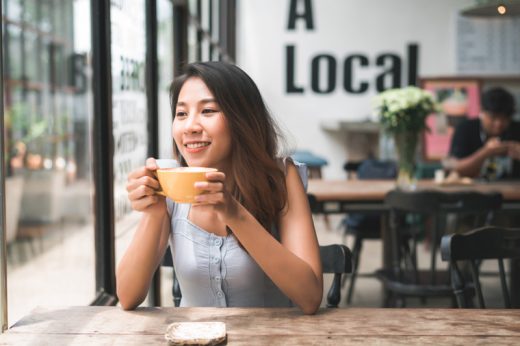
[140,172]
[209,186]
[141,192]
[151,164]
[216,176]
[144,180]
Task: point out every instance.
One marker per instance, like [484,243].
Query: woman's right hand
[142,185]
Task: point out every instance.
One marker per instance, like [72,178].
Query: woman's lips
[195,147]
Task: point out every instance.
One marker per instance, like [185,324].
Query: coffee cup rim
[188,169]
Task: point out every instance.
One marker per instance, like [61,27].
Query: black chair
[364,226]
[421,213]
[474,246]
[335,259]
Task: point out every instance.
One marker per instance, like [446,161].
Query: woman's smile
[196,147]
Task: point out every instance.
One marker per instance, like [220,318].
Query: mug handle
[160,191]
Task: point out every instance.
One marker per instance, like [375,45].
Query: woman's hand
[142,185]
[216,196]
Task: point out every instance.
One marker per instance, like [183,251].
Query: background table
[339,196]
[269,326]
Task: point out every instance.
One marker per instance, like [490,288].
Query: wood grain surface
[269,326]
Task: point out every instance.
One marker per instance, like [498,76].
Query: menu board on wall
[129,109]
[488,46]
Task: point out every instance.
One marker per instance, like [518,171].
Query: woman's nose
[192,124]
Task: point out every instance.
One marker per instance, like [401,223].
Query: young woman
[249,240]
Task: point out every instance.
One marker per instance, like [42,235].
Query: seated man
[488,147]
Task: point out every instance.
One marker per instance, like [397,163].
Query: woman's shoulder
[301,168]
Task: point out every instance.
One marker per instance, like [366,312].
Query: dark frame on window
[102,151]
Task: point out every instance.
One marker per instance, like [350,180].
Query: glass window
[48,112]
[165,57]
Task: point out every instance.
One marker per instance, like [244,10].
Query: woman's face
[200,129]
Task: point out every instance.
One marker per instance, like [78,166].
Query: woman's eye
[180,114]
[209,111]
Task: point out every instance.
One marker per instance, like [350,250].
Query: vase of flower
[402,113]
[406,147]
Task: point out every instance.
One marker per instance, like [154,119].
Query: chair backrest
[335,259]
[367,170]
[434,205]
[414,201]
[479,244]
[377,169]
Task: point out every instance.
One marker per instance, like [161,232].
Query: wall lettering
[330,68]
[323,71]
[290,67]
[305,15]
[348,74]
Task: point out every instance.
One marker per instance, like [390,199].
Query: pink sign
[459,100]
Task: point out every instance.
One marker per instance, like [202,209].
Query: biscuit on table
[195,333]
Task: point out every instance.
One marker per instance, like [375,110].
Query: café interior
[86,100]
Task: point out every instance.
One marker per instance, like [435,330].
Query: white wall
[341,28]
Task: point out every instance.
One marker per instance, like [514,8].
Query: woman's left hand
[215,195]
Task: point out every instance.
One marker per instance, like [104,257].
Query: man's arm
[513,150]
[471,165]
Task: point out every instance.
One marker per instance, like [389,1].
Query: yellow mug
[179,183]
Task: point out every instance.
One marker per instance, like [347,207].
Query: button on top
[218,242]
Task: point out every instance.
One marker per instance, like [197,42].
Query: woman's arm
[294,264]
[143,256]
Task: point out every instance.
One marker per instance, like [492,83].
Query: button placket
[216,263]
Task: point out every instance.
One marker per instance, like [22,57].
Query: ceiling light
[492,8]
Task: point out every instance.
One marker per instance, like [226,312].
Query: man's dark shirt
[469,137]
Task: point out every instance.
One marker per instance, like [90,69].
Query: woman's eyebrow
[204,101]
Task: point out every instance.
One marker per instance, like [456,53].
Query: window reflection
[47,114]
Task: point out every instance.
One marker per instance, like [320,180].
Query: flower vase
[406,145]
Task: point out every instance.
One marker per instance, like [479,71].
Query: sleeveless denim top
[216,271]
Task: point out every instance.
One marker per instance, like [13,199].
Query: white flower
[404,109]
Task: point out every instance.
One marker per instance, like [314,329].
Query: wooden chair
[335,259]
[474,246]
[429,208]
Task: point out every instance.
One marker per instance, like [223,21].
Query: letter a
[306,15]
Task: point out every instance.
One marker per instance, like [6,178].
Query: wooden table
[340,196]
[91,325]
[344,196]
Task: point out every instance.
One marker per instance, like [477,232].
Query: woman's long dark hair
[259,179]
